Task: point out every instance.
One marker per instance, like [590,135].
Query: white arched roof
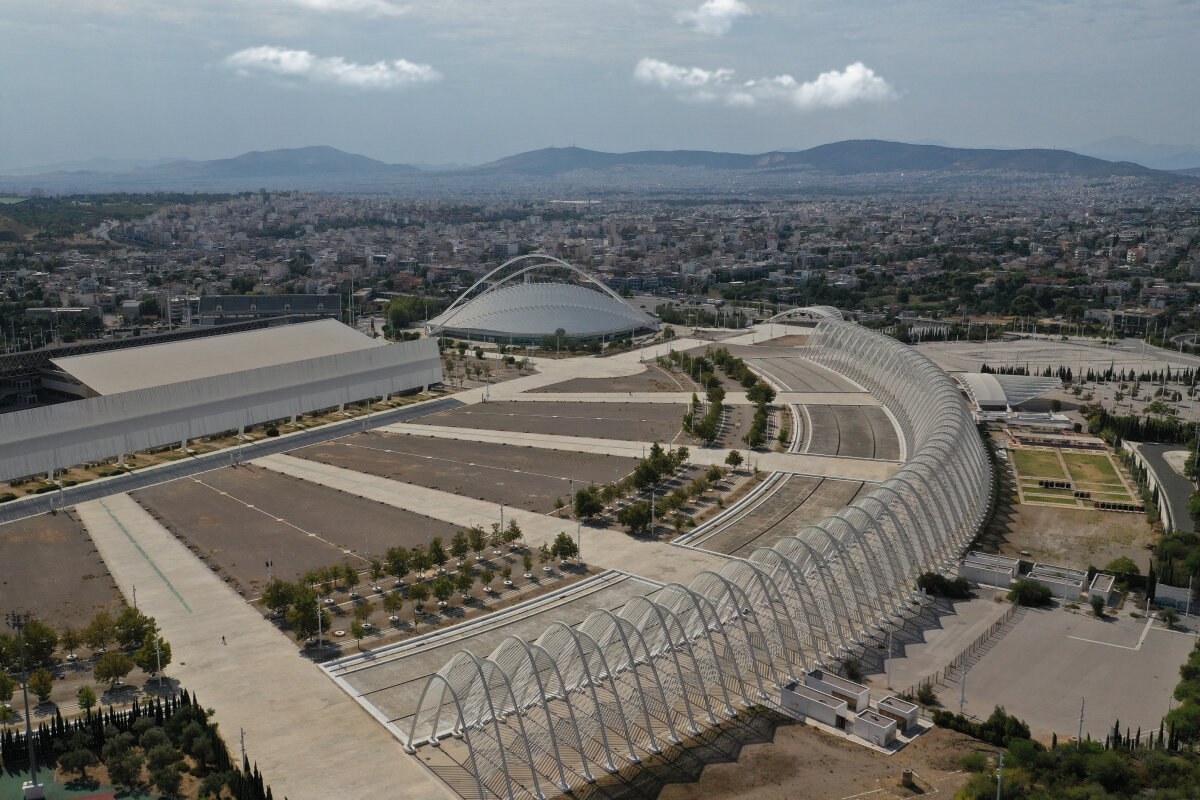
[525,308]
[1001,391]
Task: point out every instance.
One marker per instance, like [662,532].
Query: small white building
[989,569]
[855,694]
[1104,587]
[903,712]
[1065,583]
[875,728]
[804,702]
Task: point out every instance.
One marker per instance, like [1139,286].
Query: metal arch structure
[814,313]
[488,285]
[612,689]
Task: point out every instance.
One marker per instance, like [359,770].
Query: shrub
[938,584]
[1097,606]
[852,668]
[1030,593]
[973,762]
[1169,616]
[925,694]
[272,431]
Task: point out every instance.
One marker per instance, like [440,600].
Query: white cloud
[857,83]
[371,8]
[301,65]
[715,17]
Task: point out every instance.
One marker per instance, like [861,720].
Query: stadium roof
[534,310]
[133,368]
[1003,391]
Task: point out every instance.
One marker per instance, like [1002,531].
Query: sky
[469,81]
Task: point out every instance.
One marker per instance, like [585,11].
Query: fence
[942,675]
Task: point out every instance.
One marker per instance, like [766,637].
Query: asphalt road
[1177,488]
[131,481]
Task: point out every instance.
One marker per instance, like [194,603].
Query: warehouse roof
[133,368]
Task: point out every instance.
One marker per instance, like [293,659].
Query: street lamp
[19,620]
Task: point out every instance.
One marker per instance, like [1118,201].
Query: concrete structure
[804,702]
[903,712]
[989,569]
[502,309]
[1064,582]
[1103,586]
[857,696]
[875,728]
[40,440]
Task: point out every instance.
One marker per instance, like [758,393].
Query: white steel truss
[580,699]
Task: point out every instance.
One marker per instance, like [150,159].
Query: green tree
[1097,605]
[41,683]
[564,546]
[86,697]
[588,503]
[1029,593]
[464,581]
[477,539]
[7,687]
[397,561]
[734,459]
[69,640]
[437,553]
[78,761]
[125,770]
[350,577]
[112,667]
[148,657]
[376,570]
[460,545]
[393,602]
[636,517]
[1123,568]
[486,577]
[278,595]
[40,642]
[443,587]
[132,626]
[358,632]
[760,394]
[303,614]
[167,780]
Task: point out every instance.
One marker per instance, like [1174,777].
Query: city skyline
[457,83]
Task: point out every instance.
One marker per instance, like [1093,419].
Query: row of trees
[1113,428]
[135,633]
[151,745]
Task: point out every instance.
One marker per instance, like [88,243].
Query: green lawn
[1040,498]
[1037,464]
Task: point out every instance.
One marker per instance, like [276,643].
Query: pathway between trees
[325,745]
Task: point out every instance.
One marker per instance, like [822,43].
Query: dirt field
[654,379]
[624,421]
[238,518]
[1091,468]
[790,340]
[526,477]
[48,564]
[1078,536]
[803,763]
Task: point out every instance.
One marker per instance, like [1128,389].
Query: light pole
[19,620]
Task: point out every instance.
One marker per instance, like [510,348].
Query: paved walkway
[820,466]
[334,749]
[601,546]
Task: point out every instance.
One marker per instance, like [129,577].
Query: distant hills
[1174,157]
[324,168]
[852,157]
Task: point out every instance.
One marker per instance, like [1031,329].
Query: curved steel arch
[462,299]
[748,621]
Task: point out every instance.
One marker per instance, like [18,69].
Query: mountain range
[326,168]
